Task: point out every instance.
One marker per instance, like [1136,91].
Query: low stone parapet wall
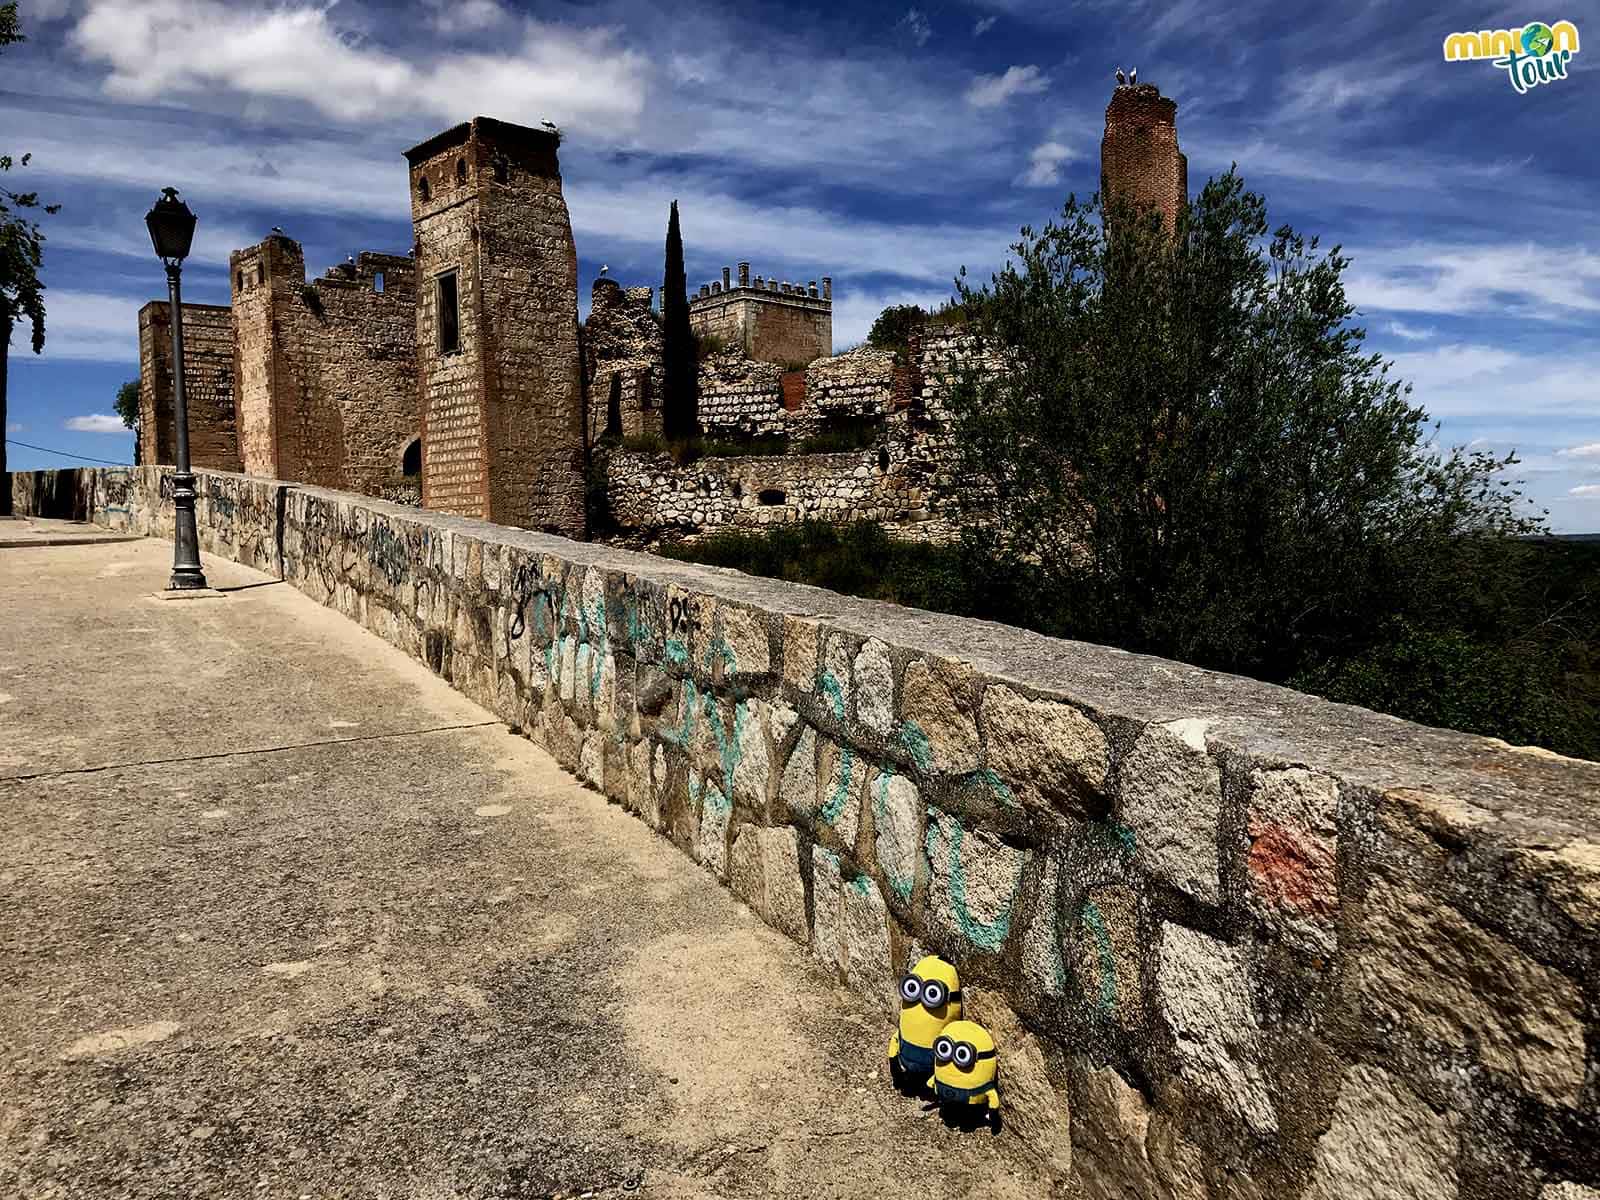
[1234,941]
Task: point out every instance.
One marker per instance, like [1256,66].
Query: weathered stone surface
[1042,960]
[744,632]
[874,687]
[867,964]
[800,653]
[1425,966]
[846,776]
[1106,954]
[1035,1108]
[1569,1191]
[1292,823]
[1044,750]
[1206,1004]
[833,685]
[1384,1144]
[938,734]
[753,765]
[1110,1127]
[711,843]
[764,871]
[897,817]
[827,926]
[799,786]
[1171,799]
[973,881]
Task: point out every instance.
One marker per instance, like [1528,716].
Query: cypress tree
[680,415]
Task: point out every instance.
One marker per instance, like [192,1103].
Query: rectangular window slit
[449,313]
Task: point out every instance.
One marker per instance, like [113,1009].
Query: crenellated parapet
[769,320]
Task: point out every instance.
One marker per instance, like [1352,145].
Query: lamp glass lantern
[171,226]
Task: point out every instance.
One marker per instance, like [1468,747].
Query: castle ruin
[459,376]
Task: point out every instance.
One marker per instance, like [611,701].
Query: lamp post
[171,226]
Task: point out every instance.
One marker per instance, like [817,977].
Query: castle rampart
[208,375]
[1234,941]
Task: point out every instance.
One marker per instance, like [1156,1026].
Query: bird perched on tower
[604,270]
[1133,76]
[1121,78]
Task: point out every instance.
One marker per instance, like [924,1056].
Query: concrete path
[50,531]
[286,916]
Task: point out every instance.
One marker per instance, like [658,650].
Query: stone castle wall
[208,385]
[1235,942]
[623,361]
[326,370]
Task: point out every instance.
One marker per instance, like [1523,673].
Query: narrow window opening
[771,496]
[377,281]
[614,407]
[239,278]
[461,170]
[423,190]
[502,169]
[449,313]
[411,460]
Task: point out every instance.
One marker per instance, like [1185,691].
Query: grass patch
[691,449]
[840,435]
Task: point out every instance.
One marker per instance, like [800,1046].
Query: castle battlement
[770,320]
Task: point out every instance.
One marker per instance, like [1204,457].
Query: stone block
[799,786]
[874,682]
[827,907]
[1171,800]
[1042,961]
[1034,1107]
[1568,1191]
[1425,966]
[939,734]
[868,966]
[711,839]
[1292,863]
[752,766]
[1208,1010]
[973,880]
[846,776]
[897,821]
[1105,944]
[1384,1144]
[800,653]
[744,633]
[1045,751]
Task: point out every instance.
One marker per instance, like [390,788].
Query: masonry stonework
[499,370]
[208,385]
[326,370]
[1369,974]
[764,320]
[1140,162]
[623,362]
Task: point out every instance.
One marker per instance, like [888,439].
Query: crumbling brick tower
[498,363]
[1140,162]
[207,385]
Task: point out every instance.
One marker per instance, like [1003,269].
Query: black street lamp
[171,227]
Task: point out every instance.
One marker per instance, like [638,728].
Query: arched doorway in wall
[411,459]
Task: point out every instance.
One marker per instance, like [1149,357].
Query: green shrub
[648,442]
[842,434]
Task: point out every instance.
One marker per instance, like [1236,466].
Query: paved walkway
[286,916]
[51,531]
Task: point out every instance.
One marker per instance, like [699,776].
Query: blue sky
[885,144]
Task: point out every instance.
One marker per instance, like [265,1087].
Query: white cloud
[15,427]
[1467,379]
[854,312]
[1589,491]
[168,48]
[983,26]
[1592,450]
[989,91]
[95,423]
[1044,165]
[1410,333]
[915,23]
[465,16]
[1457,279]
[86,325]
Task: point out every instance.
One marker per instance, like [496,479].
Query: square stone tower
[498,365]
[786,323]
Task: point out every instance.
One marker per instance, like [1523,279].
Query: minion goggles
[963,1054]
[930,993]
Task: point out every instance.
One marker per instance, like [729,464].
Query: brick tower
[498,364]
[1139,157]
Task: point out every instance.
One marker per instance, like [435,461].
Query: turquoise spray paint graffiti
[1107,1000]
[880,807]
[986,935]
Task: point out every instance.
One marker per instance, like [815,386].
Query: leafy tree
[1188,445]
[894,326]
[21,255]
[128,409]
[680,415]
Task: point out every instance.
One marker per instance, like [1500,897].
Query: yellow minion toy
[930,998]
[965,1068]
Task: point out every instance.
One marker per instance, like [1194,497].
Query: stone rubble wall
[1235,942]
[859,382]
[622,346]
[740,395]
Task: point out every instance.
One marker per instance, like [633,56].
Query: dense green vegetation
[1192,455]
